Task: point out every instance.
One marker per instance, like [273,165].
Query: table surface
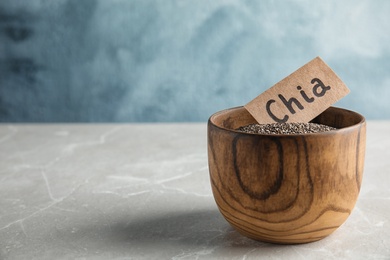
[142,191]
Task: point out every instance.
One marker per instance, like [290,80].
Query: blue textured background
[176,60]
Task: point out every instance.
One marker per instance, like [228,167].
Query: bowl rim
[359,124]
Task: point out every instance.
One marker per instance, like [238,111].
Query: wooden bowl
[286,189]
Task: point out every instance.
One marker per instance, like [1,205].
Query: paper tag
[300,97]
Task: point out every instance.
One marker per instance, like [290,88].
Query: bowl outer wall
[286,188]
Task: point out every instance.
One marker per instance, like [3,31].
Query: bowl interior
[234,118]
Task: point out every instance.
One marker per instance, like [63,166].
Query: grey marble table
[142,191]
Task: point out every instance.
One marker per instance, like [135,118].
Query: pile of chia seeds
[285,128]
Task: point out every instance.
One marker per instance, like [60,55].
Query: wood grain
[286,188]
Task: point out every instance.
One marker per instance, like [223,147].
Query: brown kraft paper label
[299,97]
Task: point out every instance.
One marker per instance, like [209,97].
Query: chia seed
[285,128]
